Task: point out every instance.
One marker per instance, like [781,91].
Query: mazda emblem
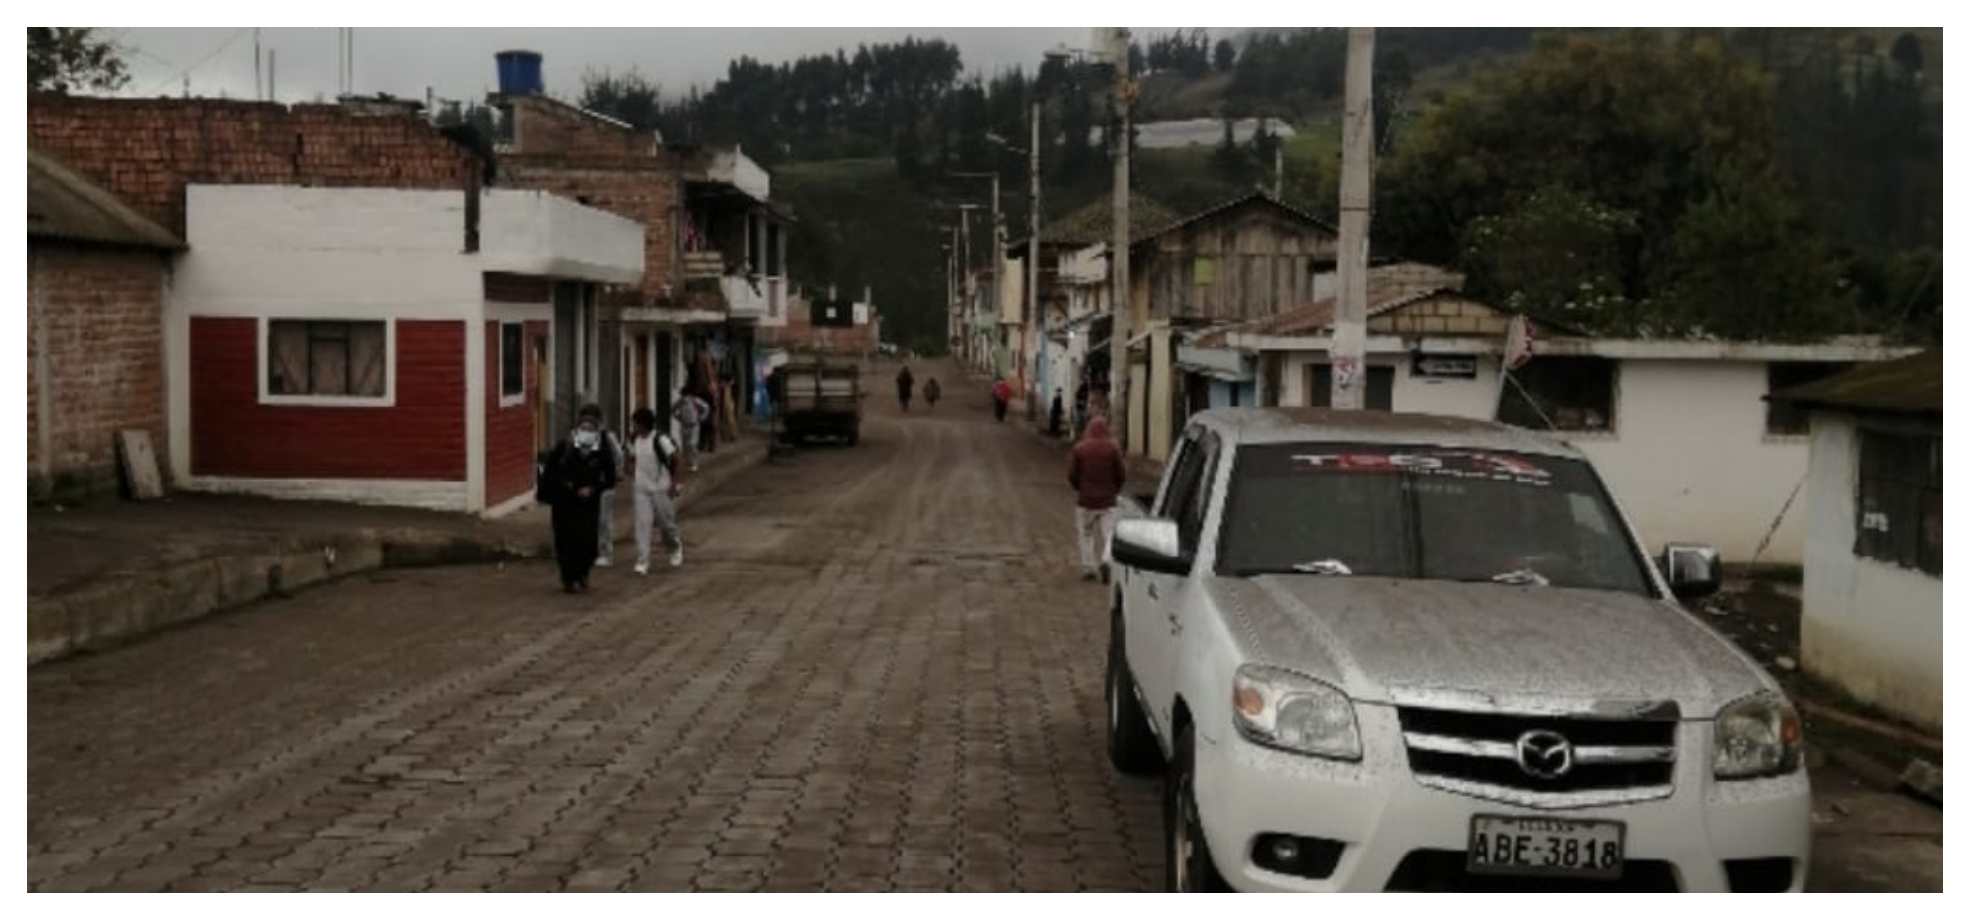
[1544,754]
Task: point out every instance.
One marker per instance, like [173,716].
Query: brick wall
[102,308]
[422,437]
[510,430]
[147,150]
[566,153]
[501,287]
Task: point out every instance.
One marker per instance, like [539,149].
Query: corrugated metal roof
[63,204]
[1906,386]
[1096,222]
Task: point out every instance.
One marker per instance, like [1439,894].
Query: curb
[123,609]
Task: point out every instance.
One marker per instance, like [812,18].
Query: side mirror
[1150,544]
[1693,570]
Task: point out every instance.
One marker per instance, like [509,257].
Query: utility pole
[1348,350]
[1118,256]
[1034,318]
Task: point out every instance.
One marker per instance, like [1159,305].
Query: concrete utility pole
[1034,319]
[1118,261]
[1348,351]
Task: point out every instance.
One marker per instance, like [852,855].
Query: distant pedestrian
[931,391]
[1080,407]
[904,383]
[1096,471]
[690,412]
[1001,398]
[656,480]
[580,469]
[1057,416]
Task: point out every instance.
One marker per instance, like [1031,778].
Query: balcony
[760,298]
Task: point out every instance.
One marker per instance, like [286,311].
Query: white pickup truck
[1372,651]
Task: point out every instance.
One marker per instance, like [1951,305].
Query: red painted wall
[422,437]
[510,431]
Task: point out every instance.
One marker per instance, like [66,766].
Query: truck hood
[1418,642]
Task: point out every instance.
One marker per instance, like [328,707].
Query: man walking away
[904,383]
[580,470]
[1001,398]
[690,413]
[930,393]
[1096,471]
[657,478]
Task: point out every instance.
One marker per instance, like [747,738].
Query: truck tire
[1186,854]
[1131,746]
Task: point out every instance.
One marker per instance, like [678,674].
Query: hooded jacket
[1095,468]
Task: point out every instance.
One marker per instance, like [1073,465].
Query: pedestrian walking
[656,478]
[1057,416]
[690,412]
[931,391]
[1001,398]
[605,542]
[580,469]
[1096,471]
[904,383]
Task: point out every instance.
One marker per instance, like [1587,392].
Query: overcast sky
[458,63]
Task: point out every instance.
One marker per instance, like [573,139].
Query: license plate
[1503,845]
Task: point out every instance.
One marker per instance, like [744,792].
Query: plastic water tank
[519,72]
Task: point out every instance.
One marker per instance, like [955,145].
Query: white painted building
[1872,620]
[384,346]
[1679,429]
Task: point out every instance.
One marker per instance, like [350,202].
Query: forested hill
[1746,183]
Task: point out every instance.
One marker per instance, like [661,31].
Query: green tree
[628,97]
[1557,254]
[1742,263]
[60,60]
[1225,56]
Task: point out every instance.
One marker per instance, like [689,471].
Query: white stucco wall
[1688,459]
[1873,628]
[535,233]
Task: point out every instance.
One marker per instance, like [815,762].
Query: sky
[457,63]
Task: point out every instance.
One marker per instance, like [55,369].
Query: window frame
[1513,408]
[508,400]
[264,348]
[1903,489]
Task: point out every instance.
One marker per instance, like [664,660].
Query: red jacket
[1002,391]
[1095,468]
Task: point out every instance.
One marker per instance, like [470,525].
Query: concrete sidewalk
[111,571]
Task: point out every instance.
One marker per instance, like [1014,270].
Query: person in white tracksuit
[655,478]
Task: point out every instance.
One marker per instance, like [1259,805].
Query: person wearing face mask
[582,468]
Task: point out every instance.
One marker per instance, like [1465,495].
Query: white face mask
[587,438]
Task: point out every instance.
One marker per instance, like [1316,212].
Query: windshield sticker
[1455,464]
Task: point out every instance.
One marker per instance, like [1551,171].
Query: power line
[187,72]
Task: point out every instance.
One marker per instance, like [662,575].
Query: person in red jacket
[1001,398]
[1096,471]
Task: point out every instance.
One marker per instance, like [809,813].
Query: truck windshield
[1355,510]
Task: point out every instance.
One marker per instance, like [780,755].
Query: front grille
[1482,748]
[1447,871]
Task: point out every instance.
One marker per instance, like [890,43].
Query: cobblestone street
[877,669]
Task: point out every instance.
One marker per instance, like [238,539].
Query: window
[1381,387]
[1184,501]
[1899,504]
[1424,512]
[1205,270]
[1561,394]
[512,362]
[332,358]
[1785,418]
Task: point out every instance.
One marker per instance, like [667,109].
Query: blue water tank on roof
[519,73]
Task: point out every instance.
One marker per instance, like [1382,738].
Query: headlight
[1284,710]
[1757,736]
